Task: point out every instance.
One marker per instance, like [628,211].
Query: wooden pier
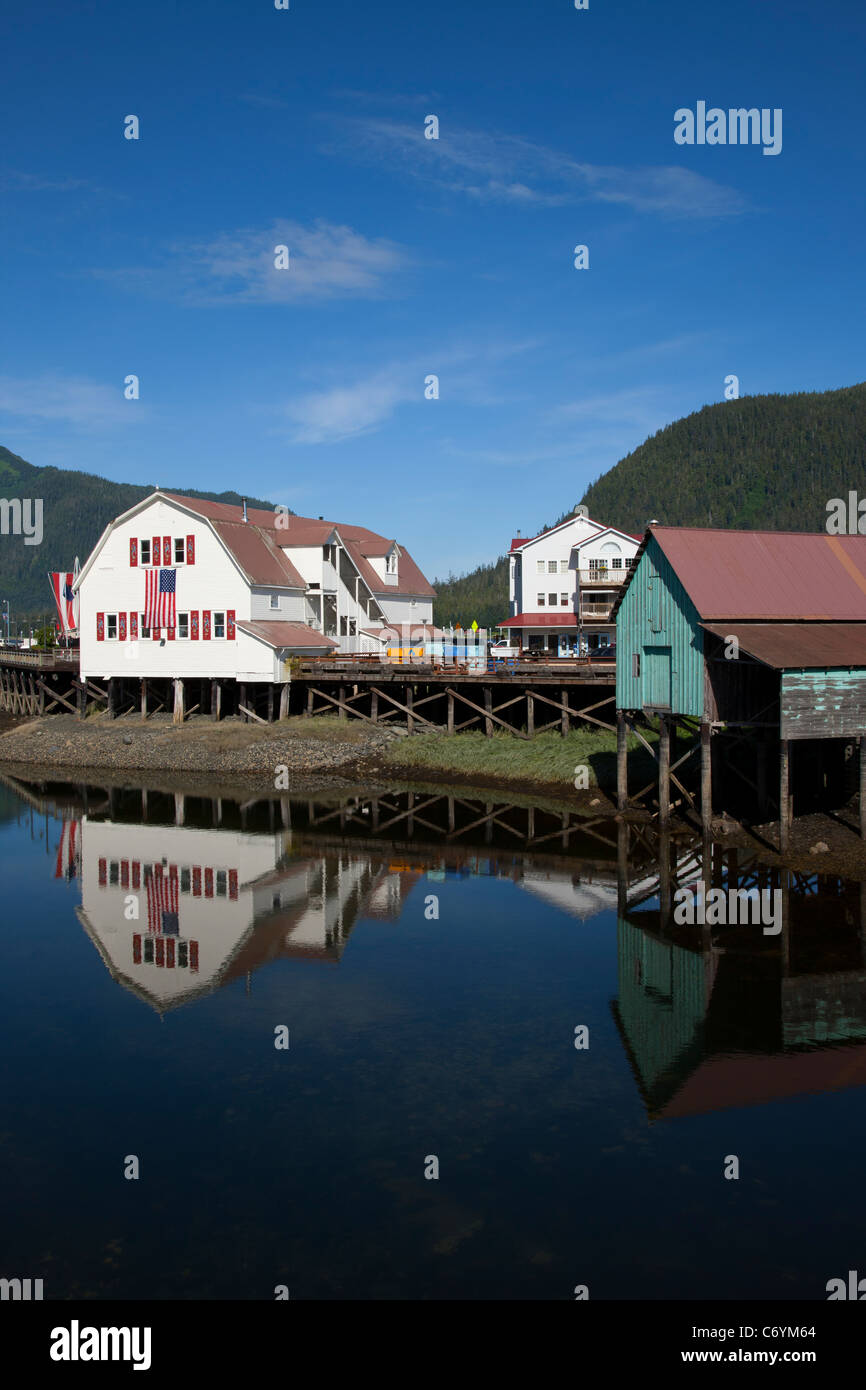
[523,698]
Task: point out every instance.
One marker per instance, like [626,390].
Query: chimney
[245,509]
[518,535]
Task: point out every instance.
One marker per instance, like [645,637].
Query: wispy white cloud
[326,261]
[15,181]
[73,401]
[496,167]
[350,409]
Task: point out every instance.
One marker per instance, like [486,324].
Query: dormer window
[391,562]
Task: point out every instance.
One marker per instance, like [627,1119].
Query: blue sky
[410,257]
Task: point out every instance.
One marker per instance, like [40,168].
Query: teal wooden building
[755,636]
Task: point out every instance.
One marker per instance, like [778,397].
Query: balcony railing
[603,576]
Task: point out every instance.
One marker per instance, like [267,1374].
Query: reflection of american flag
[67,851]
[162,904]
[159,598]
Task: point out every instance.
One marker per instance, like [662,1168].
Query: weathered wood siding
[658,622]
[824,703]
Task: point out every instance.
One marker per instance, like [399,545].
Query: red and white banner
[65,599]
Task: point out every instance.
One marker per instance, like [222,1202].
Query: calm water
[411,1036]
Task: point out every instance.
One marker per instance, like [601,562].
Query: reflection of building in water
[713,1018]
[214,905]
[570,894]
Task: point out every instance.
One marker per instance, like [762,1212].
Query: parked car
[503,648]
[606,652]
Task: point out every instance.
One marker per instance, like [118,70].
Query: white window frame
[109,618]
[179,541]
[563,567]
[145,541]
[391,563]
[563,600]
[539,567]
[144,631]
[552,567]
[275,602]
[541,603]
[181,636]
[215,637]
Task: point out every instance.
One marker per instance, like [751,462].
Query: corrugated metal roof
[768,574]
[305,531]
[787,646]
[277,634]
[258,555]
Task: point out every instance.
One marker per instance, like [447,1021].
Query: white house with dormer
[252,588]
[563,583]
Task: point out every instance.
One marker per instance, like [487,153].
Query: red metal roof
[258,554]
[787,646]
[541,620]
[768,574]
[278,634]
[303,531]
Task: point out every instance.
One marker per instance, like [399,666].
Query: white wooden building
[563,584]
[253,589]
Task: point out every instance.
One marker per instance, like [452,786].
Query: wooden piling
[664,771]
[621,761]
[177,715]
[488,710]
[862,742]
[784,793]
[706,777]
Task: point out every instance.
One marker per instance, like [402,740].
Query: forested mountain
[76,508]
[760,462]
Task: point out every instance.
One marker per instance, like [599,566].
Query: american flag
[162,903]
[159,598]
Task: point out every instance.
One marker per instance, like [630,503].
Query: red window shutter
[233,884]
[196,881]
[100,627]
[169,632]
[124,873]
[160,951]
[208,883]
[169,952]
[154,632]
[193,955]
[193,625]
[155,551]
[136,873]
[121,626]
[133,551]
[133,627]
[136,949]
[230,625]
[190,550]
[103,872]
[205,625]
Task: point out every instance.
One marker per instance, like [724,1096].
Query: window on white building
[541,600]
[391,566]
[563,567]
[111,626]
[179,550]
[563,599]
[552,567]
[183,627]
[145,552]
[616,563]
[551,599]
[275,600]
[539,567]
[219,625]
